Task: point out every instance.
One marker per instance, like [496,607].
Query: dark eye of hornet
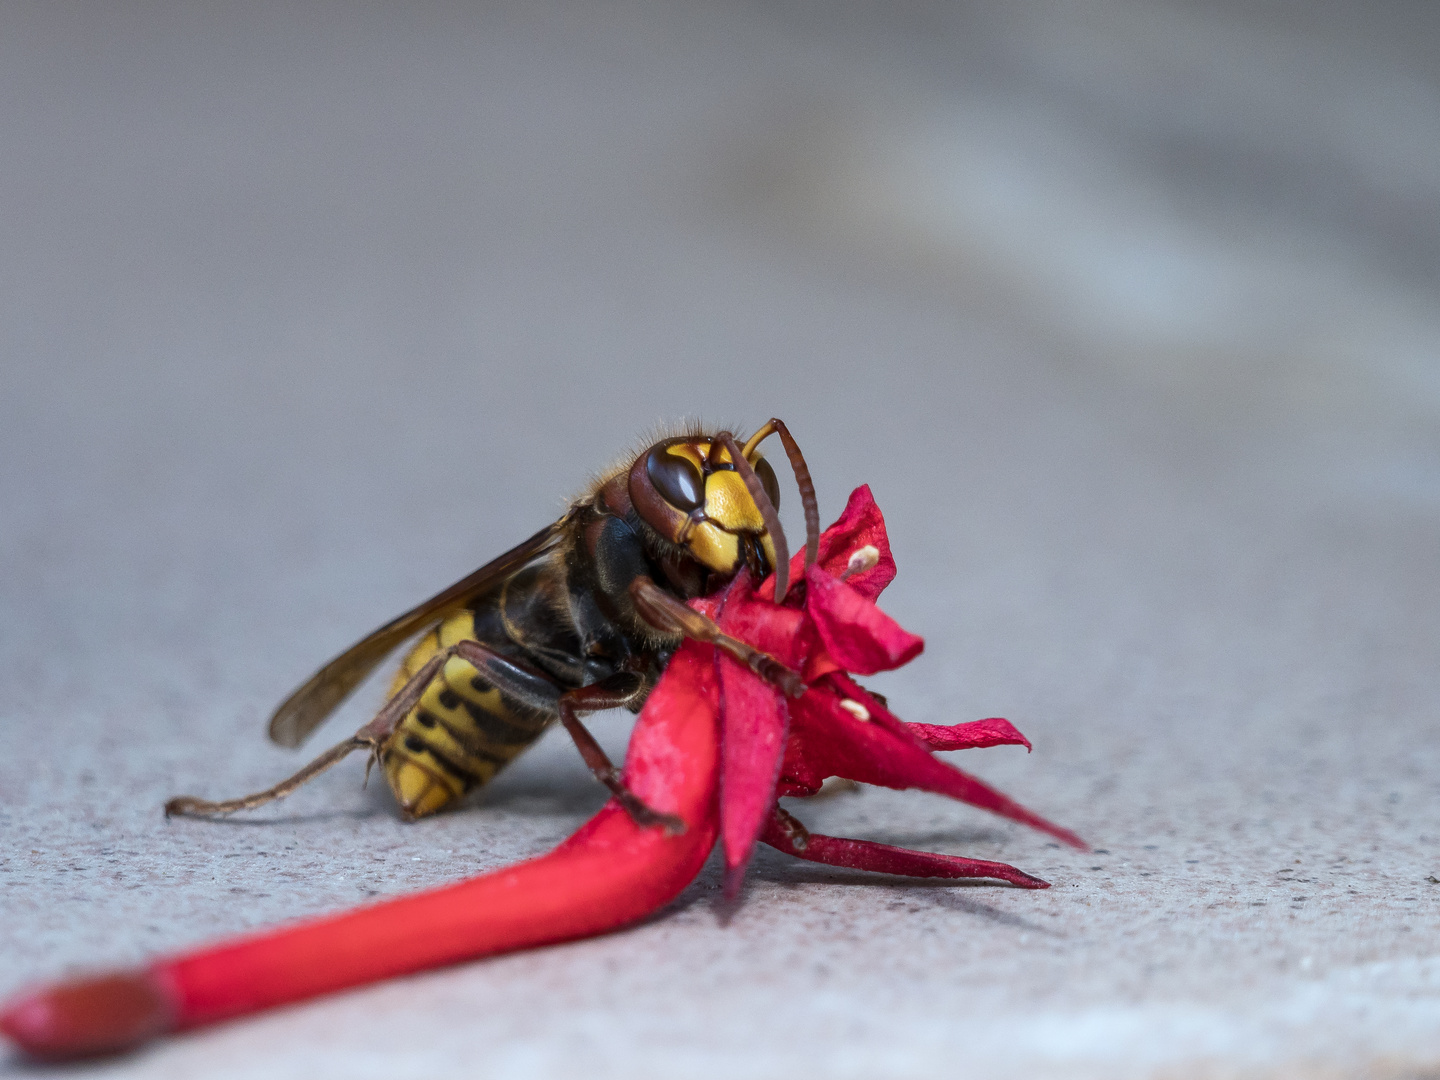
[676,479]
[582,616]
[769,481]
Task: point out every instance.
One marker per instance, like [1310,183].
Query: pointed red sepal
[791,838]
[857,634]
[828,740]
[782,632]
[973,736]
[753,725]
[99,1015]
[861,525]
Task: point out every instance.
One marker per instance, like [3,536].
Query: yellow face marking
[721,453]
[728,510]
[692,454]
[698,453]
[729,505]
[714,547]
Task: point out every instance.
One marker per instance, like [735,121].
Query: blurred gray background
[1126,310]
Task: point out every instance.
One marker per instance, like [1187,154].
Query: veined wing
[304,710]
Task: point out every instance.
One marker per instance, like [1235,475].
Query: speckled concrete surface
[1127,315]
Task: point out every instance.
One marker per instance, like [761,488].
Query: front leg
[664,612]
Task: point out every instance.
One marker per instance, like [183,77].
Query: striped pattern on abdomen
[462,733]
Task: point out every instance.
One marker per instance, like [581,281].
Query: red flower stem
[784,833]
[603,877]
[610,873]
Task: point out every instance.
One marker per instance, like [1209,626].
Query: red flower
[829,629]
[715,745]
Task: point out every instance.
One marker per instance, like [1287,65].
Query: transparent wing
[304,710]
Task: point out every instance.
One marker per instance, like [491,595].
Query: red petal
[885,859]
[780,631]
[991,732]
[860,636]
[860,524]
[832,742]
[798,774]
[753,724]
[665,762]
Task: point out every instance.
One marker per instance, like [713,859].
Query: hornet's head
[716,500]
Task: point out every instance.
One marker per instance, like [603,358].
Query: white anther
[854,708]
[864,559]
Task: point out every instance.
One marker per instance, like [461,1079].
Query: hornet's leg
[620,689]
[664,612]
[612,693]
[370,737]
[190,806]
[510,676]
[522,681]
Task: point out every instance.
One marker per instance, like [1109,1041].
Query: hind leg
[370,737]
[508,675]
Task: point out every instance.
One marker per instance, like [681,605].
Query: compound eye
[676,479]
[768,481]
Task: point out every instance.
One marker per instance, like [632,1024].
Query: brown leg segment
[501,671]
[664,612]
[370,737]
[610,694]
[614,692]
[189,806]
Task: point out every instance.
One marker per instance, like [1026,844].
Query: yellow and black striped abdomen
[461,734]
